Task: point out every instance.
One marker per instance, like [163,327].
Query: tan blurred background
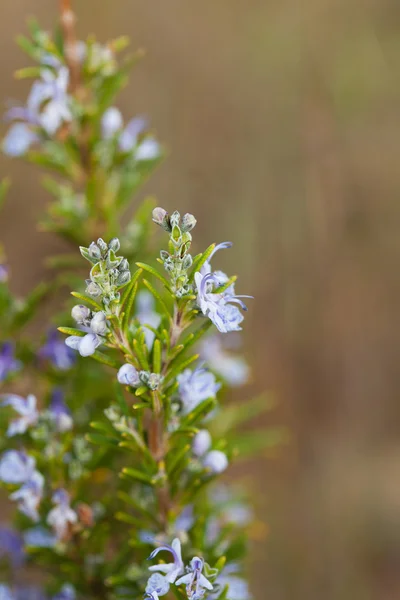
[283,120]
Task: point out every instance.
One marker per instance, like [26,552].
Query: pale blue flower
[128,375]
[185,520]
[148,149]
[151,595]
[201,442]
[12,545]
[233,369]
[29,496]
[196,583]
[55,351]
[5,593]
[62,517]
[19,140]
[111,122]
[26,408]
[218,307]
[39,537]
[8,362]
[53,91]
[146,315]
[157,585]
[16,467]
[85,345]
[195,387]
[170,570]
[59,412]
[238,587]
[216,461]
[4,272]
[129,137]
[67,592]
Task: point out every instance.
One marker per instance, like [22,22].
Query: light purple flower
[146,315]
[30,495]
[238,587]
[12,545]
[55,351]
[16,467]
[39,537]
[148,149]
[233,369]
[196,583]
[111,122]
[185,520]
[5,593]
[52,90]
[216,461]
[3,273]
[157,585]
[130,135]
[19,140]
[59,412]
[62,516]
[128,375]
[218,307]
[67,592]
[201,442]
[26,408]
[195,387]
[8,362]
[85,345]
[151,595]
[171,570]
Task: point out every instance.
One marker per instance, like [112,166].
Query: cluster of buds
[96,325]
[109,272]
[128,375]
[178,260]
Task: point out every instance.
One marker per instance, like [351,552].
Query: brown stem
[68,22]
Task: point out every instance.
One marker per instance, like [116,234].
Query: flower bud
[216,461]
[111,122]
[114,244]
[175,218]
[99,323]
[102,245]
[123,278]
[127,375]
[94,251]
[188,222]
[161,218]
[93,289]
[80,313]
[187,262]
[124,265]
[201,442]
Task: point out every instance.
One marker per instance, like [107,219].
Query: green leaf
[128,307]
[157,296]
[141,354]
[4,187]
[105,359]
[72,331]
[175,460]
[87,300]
[125,297]
[154,272]
[121,399]
[200,260]
[252,442]
[101,440]
[198,413]
[242,412]
[181,364]
[136,475]
[157,361]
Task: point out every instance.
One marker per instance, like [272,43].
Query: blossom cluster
[118,461]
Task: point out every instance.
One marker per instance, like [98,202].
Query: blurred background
[283,122]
